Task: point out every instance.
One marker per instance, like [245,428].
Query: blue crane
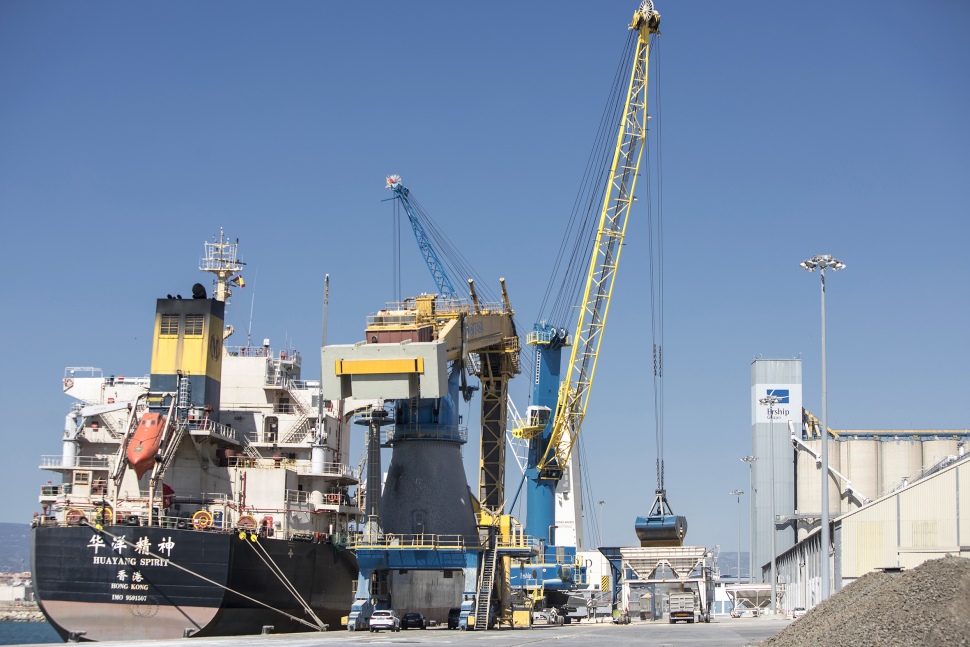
[401,192]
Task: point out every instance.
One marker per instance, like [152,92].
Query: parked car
[384,620]
[454,616]
[413,620]
[798,612]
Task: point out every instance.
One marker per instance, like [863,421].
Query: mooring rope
[318,627]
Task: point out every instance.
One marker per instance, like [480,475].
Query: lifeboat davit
[146,442]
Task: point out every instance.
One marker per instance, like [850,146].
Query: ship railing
[328,469]
[100,462]
[331,497]
[211,426]
[426,432]
[249,351]
[408,541]
[297,497]
[82,371]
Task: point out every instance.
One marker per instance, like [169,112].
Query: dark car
[453,617]
[413,620]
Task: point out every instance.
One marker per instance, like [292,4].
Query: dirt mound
[929,605]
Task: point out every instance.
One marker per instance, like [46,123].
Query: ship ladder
[319,626]
[484,601]
[278,572]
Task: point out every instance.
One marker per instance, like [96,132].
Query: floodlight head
[748,459]
[736,492]
[823,261]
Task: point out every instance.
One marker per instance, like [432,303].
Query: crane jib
[619,198]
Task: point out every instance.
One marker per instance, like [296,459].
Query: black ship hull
[156,583]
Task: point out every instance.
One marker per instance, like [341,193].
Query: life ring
[247,522]
[333,498]
[202,520]
[74,516]
[68,383]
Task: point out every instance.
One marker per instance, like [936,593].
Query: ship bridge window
[82,478]
[193,324]
[169,325]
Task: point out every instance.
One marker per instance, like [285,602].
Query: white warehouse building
[894,495]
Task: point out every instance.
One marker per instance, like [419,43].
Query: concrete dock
[725,632]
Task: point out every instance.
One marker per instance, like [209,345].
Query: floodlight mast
[823,262]
[738,494]
[750,462]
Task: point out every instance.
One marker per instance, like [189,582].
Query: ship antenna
[252,307]
[220,259]
[326,301]
[323,342]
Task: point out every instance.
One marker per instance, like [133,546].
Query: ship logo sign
[215,347]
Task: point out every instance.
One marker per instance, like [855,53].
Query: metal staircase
[250,449]
[484,602]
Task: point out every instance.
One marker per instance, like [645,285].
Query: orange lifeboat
[146,442]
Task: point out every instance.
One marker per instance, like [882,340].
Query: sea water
[27,633]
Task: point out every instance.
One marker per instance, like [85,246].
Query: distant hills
[727,562]
[14,547]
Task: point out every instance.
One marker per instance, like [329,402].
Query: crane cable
[656,271]
[584,217]
[454,264]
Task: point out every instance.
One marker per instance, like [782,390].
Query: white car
[384,620]
[798,612]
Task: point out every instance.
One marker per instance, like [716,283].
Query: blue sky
[131,132]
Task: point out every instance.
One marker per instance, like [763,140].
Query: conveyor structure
[671,568]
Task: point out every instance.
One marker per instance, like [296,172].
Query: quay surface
[721,632]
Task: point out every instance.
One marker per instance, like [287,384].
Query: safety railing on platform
[327,469]
[401,542]
[78,461]
[426,432]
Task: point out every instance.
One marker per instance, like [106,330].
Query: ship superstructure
[211,498]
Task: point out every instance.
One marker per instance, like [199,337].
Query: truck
[681,607]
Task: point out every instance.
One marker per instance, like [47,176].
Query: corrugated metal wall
[926,520]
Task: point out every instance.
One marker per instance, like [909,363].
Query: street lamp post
[738,494]
[601,504]
[750,461]
[823,262]
[770,401]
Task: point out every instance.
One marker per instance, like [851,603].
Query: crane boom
[619,196]
[401,192]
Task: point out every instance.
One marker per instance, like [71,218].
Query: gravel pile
[929,605]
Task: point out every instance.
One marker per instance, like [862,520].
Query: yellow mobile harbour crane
[556,571]
[660,527]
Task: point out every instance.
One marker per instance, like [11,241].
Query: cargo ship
[213,497]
